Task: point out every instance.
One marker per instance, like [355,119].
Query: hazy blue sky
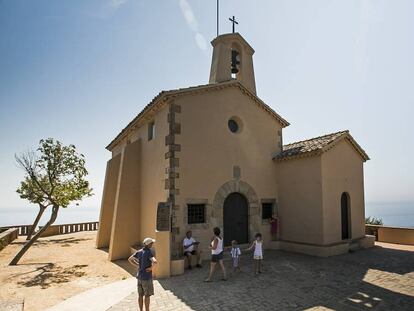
[79,71]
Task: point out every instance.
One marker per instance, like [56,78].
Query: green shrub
[373,221]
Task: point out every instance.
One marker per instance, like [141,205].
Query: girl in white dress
[258,253]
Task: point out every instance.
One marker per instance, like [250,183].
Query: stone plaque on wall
[163,217]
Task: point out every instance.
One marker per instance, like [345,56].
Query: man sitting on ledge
[191,249]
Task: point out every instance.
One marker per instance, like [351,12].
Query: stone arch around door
[249,193]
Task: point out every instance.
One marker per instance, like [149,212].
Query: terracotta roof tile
[317,145]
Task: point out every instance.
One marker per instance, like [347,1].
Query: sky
[80,70]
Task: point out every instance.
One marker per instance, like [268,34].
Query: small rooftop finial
[233,20]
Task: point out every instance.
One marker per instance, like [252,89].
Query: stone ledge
[367,242]
[8,236]
[314,250]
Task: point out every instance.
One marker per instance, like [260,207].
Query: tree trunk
[29,243]
[33,228]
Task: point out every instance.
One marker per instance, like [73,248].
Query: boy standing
[145,261]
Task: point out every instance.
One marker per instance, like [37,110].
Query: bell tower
[232,60]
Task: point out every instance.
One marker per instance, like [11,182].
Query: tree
[54,177]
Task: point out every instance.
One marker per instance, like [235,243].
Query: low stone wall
[70,228]
[397,235]
[8,236]
[372,230]
[52,230]
[56,229]
[23,229]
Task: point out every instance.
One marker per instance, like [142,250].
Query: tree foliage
[54,175]
[373,221]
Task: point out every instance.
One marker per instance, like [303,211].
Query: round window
[233,126]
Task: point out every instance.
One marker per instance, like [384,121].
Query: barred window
[267,210]
[196,213]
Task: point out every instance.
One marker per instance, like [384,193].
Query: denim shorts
[217,258]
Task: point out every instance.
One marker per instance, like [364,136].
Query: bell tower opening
[235,62]
[232,60]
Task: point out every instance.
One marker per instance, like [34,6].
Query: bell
[234,61]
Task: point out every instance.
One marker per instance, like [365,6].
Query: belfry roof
[164,96]
[318,145]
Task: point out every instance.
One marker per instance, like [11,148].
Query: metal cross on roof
[233,20]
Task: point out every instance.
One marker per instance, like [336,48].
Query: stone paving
[375,279]
[11,305]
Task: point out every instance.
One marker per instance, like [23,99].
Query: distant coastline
[399,214]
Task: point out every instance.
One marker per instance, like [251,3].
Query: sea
[399,214]
[26,215]
[396,214]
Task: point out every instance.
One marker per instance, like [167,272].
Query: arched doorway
[235,219]
[345,216]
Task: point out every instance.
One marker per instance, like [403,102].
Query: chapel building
[214,154]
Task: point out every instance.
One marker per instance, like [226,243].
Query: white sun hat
[148,241]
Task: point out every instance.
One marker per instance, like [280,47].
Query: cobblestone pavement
[375,279]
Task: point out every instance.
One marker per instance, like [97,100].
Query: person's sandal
[224,279]
[207,280]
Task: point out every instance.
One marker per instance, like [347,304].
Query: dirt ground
[56,268]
